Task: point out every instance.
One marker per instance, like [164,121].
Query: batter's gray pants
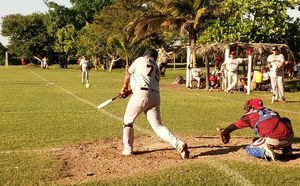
[146,101]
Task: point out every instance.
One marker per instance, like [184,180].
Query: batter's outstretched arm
[125,83]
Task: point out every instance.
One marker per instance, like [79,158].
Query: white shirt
[144,73]
[196,72]
[275,61]
[265,76]
[45,61]
[84,64]
[231,65]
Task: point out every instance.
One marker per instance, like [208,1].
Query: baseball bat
[105,103]
[37,58]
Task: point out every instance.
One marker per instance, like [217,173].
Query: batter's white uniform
[84,64]
[231,67]
[277,75]
[144,82]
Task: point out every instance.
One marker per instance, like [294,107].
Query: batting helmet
[254,103]
[151,53]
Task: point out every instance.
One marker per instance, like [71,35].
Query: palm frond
[145,27]
[200,13]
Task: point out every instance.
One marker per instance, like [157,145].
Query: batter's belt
[147,89]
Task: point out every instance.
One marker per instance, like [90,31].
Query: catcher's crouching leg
[128,138]
[266,153]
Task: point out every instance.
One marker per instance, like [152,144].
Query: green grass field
[48,109]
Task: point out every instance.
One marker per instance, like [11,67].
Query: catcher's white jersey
[145,73]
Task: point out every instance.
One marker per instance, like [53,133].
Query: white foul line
[234,175]
[87,102]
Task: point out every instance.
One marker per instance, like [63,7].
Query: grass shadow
[149,151]
[294,156]
[220,151]
[296,140]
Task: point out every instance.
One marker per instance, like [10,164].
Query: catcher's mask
[254,103]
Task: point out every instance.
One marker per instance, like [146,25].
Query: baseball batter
[231,67]
[84,66]
[276,65]
[143,76]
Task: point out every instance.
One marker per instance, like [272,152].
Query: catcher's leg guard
[257,152]
[128,138]
[265,152]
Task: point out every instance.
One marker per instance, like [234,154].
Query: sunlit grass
[44,109]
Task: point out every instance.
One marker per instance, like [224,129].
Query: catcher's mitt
[225,138]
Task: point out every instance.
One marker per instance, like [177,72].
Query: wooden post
[6,59]
[188,61]
[207,71]
[174,59]
[249,73]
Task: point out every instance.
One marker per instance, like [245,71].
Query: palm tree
[188,16]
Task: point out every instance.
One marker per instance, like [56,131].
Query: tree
[3,49]
[27,34]
[106,36]
[66,42]
[250,21]
[187,15]
[88,9]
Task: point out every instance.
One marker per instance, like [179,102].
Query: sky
[26,7]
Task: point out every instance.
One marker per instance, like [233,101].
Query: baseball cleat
[269,153]
[182,148]
[287,151]
[127,152]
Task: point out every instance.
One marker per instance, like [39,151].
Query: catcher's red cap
[255,103]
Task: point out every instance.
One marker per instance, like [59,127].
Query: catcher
[274,131]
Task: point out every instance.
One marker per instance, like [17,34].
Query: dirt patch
[102,160]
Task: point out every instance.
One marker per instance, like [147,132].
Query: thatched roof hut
[240,48]
[257,50]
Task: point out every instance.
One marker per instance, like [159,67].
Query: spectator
[84,67]
[276,64]
[196,74]
[44,63]
[231,67]
[23,61]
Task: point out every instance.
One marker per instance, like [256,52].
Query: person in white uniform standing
[45,63]
[231,67]
[84,66]
[143,76]
[276,64]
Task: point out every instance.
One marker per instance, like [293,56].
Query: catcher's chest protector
[264,114]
